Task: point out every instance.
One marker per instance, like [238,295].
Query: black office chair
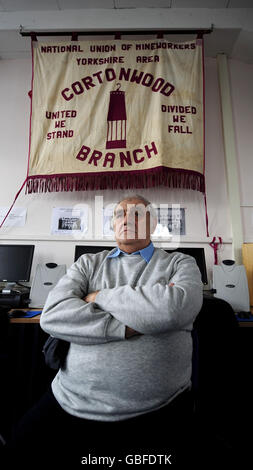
[214,372]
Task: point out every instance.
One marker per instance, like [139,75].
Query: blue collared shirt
[146,253]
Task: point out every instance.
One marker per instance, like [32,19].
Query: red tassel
[161,176]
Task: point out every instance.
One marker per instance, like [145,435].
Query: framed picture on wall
[170,220]
[68,221]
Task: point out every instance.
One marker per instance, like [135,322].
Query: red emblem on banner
[116,120]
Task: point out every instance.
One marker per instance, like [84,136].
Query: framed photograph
[68,221]
[171,221]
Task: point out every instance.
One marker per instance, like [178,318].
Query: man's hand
[91,296]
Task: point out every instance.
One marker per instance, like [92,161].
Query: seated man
[128,315]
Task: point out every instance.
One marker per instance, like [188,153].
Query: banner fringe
[183,179]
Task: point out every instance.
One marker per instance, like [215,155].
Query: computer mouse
[247,315]
[244,315]
[17,313]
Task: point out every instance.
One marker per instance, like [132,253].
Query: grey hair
[145,201]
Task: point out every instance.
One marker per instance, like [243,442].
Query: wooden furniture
[26,320]
[37,320]
[247,258]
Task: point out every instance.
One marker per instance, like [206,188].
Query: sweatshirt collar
[146,253]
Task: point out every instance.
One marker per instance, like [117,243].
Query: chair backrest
[214,359]
[4,324]
[195,362]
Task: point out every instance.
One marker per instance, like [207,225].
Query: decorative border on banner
[204,132]
[149,178]
[30,94]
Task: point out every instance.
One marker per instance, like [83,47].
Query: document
[16,218]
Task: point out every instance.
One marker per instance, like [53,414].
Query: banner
[116,114]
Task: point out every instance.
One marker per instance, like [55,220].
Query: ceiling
[39,5]
[231,20]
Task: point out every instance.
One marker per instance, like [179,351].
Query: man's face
[132,222]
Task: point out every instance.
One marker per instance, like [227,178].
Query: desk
[36,319]
[31,320]
[245,323]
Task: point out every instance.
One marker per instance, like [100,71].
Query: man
[128,316]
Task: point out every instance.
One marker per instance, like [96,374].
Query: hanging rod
[116,32]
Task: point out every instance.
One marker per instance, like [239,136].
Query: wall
[15,79]
[242,98]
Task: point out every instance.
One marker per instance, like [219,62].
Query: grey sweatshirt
[106,376]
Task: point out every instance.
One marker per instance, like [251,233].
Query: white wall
[242,97]
[15,79]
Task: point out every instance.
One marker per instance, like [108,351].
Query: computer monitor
[84,249]
[16,262]
[197,253]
